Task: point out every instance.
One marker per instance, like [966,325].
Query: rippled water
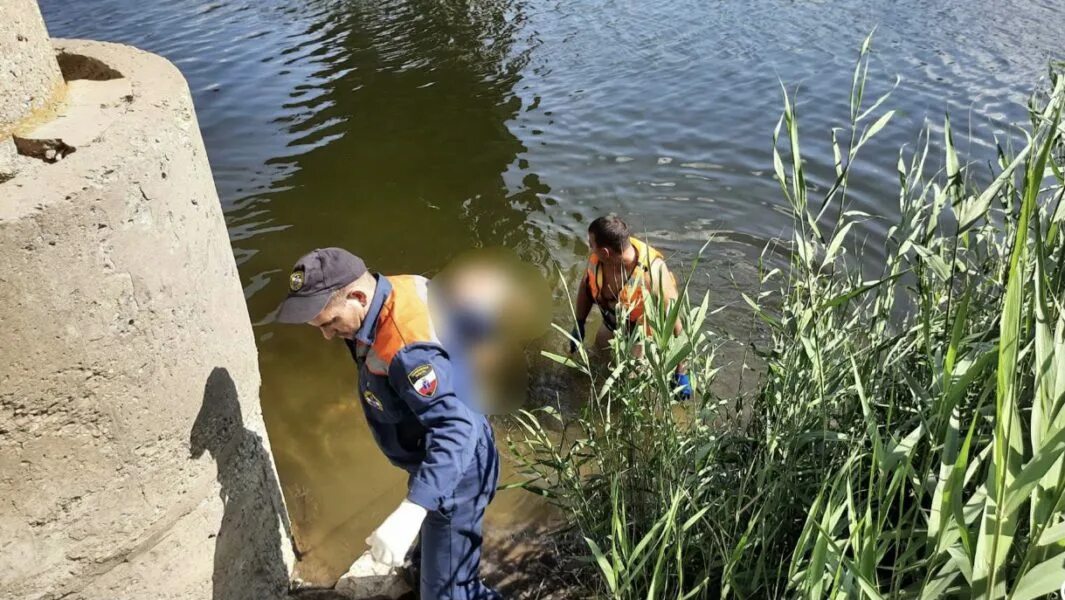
[410,130]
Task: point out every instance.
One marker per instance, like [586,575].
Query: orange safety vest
[404,319]
[631,297]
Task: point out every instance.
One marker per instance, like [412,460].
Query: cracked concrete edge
[120,304]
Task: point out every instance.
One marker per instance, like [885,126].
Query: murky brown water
[411,130]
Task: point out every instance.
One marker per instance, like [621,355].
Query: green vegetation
[906,437]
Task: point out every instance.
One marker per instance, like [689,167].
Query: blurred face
[342,316]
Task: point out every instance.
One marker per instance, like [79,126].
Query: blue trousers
[450,548]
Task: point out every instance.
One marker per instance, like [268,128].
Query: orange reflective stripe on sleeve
[404,320]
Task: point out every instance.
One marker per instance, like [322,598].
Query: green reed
[906,438]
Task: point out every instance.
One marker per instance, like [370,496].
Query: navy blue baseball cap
[314,279]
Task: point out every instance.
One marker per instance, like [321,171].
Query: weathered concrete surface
[133,458]
[90,107]
[29,75]
[9,159]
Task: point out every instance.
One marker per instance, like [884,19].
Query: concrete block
[29,74]
[134,462]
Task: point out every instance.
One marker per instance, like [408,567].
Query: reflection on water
[411,130]
[409,143]
[407,136]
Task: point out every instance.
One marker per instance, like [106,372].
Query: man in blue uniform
[418,401]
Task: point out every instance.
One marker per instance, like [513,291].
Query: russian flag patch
[424,380]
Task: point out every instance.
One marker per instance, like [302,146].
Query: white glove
[391,540]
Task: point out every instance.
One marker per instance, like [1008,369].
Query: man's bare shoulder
[659,268]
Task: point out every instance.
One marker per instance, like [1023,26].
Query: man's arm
[663,283]
[584,307]
[584,299]
[425,378]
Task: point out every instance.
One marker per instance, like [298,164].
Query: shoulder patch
[423,378]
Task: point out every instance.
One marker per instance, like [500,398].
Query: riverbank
[534,564]
[907,437]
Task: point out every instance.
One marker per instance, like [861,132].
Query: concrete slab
[89,109]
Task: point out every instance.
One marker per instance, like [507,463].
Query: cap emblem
[295,281]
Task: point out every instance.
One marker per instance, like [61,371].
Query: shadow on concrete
[248,559]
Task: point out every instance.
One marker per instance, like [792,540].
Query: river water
[411,130]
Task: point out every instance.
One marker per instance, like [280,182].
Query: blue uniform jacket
[419,402]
